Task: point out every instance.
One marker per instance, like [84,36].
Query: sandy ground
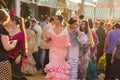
[39,76]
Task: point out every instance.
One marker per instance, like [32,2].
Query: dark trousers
[36,56]
[17,74]
[99,52]
[108,67]
[46,61]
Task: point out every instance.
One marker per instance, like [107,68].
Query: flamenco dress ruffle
[57,71]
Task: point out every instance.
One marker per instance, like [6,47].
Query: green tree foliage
[25,10]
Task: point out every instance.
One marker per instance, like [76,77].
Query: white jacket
[38,38]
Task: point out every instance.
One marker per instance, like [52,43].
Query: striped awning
[116,13]
[71,5]
[58,4]
[98,1]
[103,13]
[25,1]
[47,3]
[68,4]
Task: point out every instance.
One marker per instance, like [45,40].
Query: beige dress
[30,69]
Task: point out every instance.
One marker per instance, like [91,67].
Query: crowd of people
[60,51]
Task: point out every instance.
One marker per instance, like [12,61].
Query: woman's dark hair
[51,19]
[27,24]
[45,17]
[86,27]
[60,18]
[33,21]
[4,17]
[90,24]
[15,18]
[19,21]
[101,24]
[113,27]
[71,21]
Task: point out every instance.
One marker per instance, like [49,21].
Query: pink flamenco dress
[57,68]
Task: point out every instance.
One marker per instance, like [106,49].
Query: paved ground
[39,76]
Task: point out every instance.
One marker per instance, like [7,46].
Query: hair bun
[71,21]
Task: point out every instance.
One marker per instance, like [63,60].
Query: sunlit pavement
[39,76]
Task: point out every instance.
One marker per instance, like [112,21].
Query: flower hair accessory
[11,12]
[75,17]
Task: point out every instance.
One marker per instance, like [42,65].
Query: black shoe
[43,71]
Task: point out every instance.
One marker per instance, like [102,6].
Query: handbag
[102,62]
[91,71]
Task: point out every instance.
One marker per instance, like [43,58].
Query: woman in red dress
[17,33]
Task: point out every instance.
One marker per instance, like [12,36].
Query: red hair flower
[11,12]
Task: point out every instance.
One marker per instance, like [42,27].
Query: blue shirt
[43,24]
[112,38]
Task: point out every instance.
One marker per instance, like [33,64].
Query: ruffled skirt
[57,71]
[30,68]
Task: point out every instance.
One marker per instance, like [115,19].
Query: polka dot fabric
[5,70]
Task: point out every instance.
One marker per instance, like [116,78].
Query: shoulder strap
[34,30]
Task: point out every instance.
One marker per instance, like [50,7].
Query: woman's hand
[88,43]
[112,60]
[67,57]
[77,30]
[48,40]
[14,42]
[18,59]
